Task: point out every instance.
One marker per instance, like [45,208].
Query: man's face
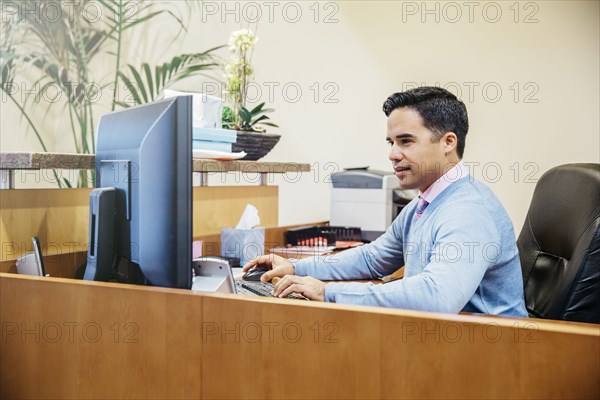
[417,160]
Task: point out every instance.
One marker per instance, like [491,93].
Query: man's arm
[371,261]
[455,269]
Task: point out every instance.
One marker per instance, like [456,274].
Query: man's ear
[450,141]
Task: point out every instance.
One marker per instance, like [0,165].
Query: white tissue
[206,109]
[249,218]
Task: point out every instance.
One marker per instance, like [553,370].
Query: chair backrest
[559,245]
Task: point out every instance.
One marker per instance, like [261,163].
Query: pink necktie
[421,207]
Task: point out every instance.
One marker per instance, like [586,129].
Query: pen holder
[244,244]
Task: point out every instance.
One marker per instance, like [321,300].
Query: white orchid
[242,40]
[237,74]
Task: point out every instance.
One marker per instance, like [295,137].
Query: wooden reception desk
[12,163]
[63,338]
[66,338]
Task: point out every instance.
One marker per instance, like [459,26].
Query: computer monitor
[141,212]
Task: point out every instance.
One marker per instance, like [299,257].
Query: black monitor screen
[142,231]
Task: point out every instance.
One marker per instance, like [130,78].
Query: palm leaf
[143,15]
[7,68]
[132,89]
[140,83]
[148,72]
[60,52]
[180,67]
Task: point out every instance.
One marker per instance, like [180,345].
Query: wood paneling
[66,265]
[59,217]
[274,237]
[57,265]
[221,206]
[72,339]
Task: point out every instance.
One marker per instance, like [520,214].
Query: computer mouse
[255,273]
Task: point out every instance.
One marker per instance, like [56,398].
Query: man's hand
[278,266]
[307,286]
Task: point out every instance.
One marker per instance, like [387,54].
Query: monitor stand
[129,272]
[104,263]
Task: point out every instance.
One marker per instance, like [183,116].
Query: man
[455,240]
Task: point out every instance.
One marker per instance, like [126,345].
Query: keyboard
[265,289]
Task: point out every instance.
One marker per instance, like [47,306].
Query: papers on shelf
[211,145]
[295,251]
[341,244]
[302,250]
[215,135]
[217,155]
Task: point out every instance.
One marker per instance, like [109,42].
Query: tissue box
[244,244]
[207,109]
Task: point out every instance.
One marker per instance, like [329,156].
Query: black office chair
[559,245]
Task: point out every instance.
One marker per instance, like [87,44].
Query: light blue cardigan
[460,255]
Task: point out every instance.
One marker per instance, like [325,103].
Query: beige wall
[544,61]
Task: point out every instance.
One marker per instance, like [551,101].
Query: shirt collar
[454,174]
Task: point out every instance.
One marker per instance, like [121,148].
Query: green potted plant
[62,53]
[249,123]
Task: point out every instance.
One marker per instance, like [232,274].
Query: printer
[368,199]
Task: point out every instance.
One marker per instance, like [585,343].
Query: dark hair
[441,111]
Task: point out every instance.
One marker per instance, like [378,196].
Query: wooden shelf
[9,162]
[26,160]
[202,165]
